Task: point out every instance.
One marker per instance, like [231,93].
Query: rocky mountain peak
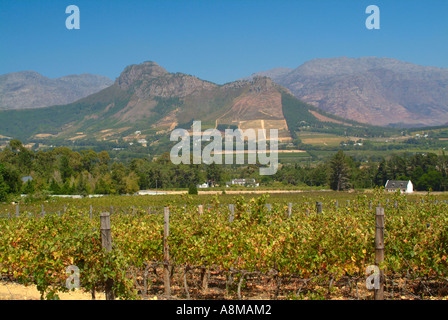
[263,84]
[263,80]
[149,79]
[147,70]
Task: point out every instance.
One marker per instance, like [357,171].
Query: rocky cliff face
[379,91]
[261,100]
[236,103]
[139,72]
[29,89]
[149,79]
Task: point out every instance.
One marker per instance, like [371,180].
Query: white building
[204,185]
[243,182]
[404,186]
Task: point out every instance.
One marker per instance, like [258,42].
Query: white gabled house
[404,186]
[204,185]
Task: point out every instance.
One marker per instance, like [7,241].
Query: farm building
[404,186]
[243,182]
[26,179]
[204,185]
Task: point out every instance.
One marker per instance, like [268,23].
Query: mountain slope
[147,99]
[378,91]
[29,89]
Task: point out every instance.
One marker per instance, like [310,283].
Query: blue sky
[219,41]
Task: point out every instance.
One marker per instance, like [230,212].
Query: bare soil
[15,291]
[258,287]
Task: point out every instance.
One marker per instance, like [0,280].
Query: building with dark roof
[404,186]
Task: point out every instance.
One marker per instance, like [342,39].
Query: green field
[321,139]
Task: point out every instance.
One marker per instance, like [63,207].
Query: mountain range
[149,100]
[378,91]
[339,95]
[29,89]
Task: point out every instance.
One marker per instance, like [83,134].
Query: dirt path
[165,192]
[14,291]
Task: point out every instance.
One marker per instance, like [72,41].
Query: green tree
[318,176]
[45,163]
[381,174]
[214,173]
[64,168]
[102,186]
[88,159]
[10,182]
[15,145]
[29,187]
[4,189]
[339,172]
[54,187]
[192,189]
[118,178]
[431,180]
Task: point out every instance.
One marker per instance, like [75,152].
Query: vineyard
[229,248]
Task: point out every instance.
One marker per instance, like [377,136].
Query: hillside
[146,102]
[377,91]
[29,89]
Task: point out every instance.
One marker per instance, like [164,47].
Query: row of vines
[334,244]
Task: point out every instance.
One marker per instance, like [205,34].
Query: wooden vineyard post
[379,250]
[91,212]
[319,207]
[17,211]
[307,209]
[166,251]
[42,211]
[232,212]
[269,207]
[106,236]
[106,242]
[200,209]
[289,210]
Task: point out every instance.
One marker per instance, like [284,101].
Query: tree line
[427,171]
[64,171]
